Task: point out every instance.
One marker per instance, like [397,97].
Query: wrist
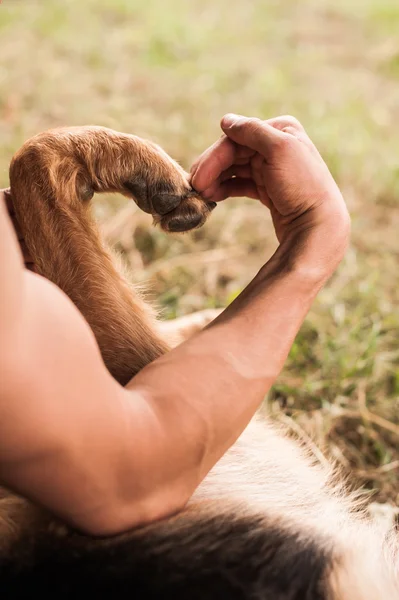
[313,253]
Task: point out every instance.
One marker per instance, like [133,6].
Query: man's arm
[107,458]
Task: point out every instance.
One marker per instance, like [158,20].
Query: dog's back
[266,523]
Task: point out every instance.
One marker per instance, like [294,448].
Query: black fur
[212,558]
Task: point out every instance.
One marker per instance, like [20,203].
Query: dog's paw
[163,190]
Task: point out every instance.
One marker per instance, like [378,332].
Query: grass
[169,71]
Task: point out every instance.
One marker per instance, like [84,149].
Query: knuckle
[293,122]
[294,132]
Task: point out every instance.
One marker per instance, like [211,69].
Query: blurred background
[168,70]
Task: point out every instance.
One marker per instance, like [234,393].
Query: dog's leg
[53,177]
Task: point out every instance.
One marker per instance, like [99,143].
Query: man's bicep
[53,376]
[61,422]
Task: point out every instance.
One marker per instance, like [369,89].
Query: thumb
[251,132]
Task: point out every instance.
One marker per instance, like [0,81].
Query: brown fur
[267,522]
[53,178]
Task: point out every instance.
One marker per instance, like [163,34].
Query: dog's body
[267,523]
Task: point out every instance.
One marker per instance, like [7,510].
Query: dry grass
[169,71]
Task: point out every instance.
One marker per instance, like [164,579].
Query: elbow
[117,518]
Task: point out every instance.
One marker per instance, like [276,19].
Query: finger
[253,133]
[243,153]
[242,171]
[216,159]
[286,122]
[291,125]
[258,165]
[236,188]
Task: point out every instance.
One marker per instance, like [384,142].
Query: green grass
[168,71]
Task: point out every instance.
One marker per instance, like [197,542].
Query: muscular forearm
[184,410]
[203,394]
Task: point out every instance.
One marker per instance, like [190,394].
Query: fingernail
[229,120]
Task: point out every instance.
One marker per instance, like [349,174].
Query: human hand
[276,162]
